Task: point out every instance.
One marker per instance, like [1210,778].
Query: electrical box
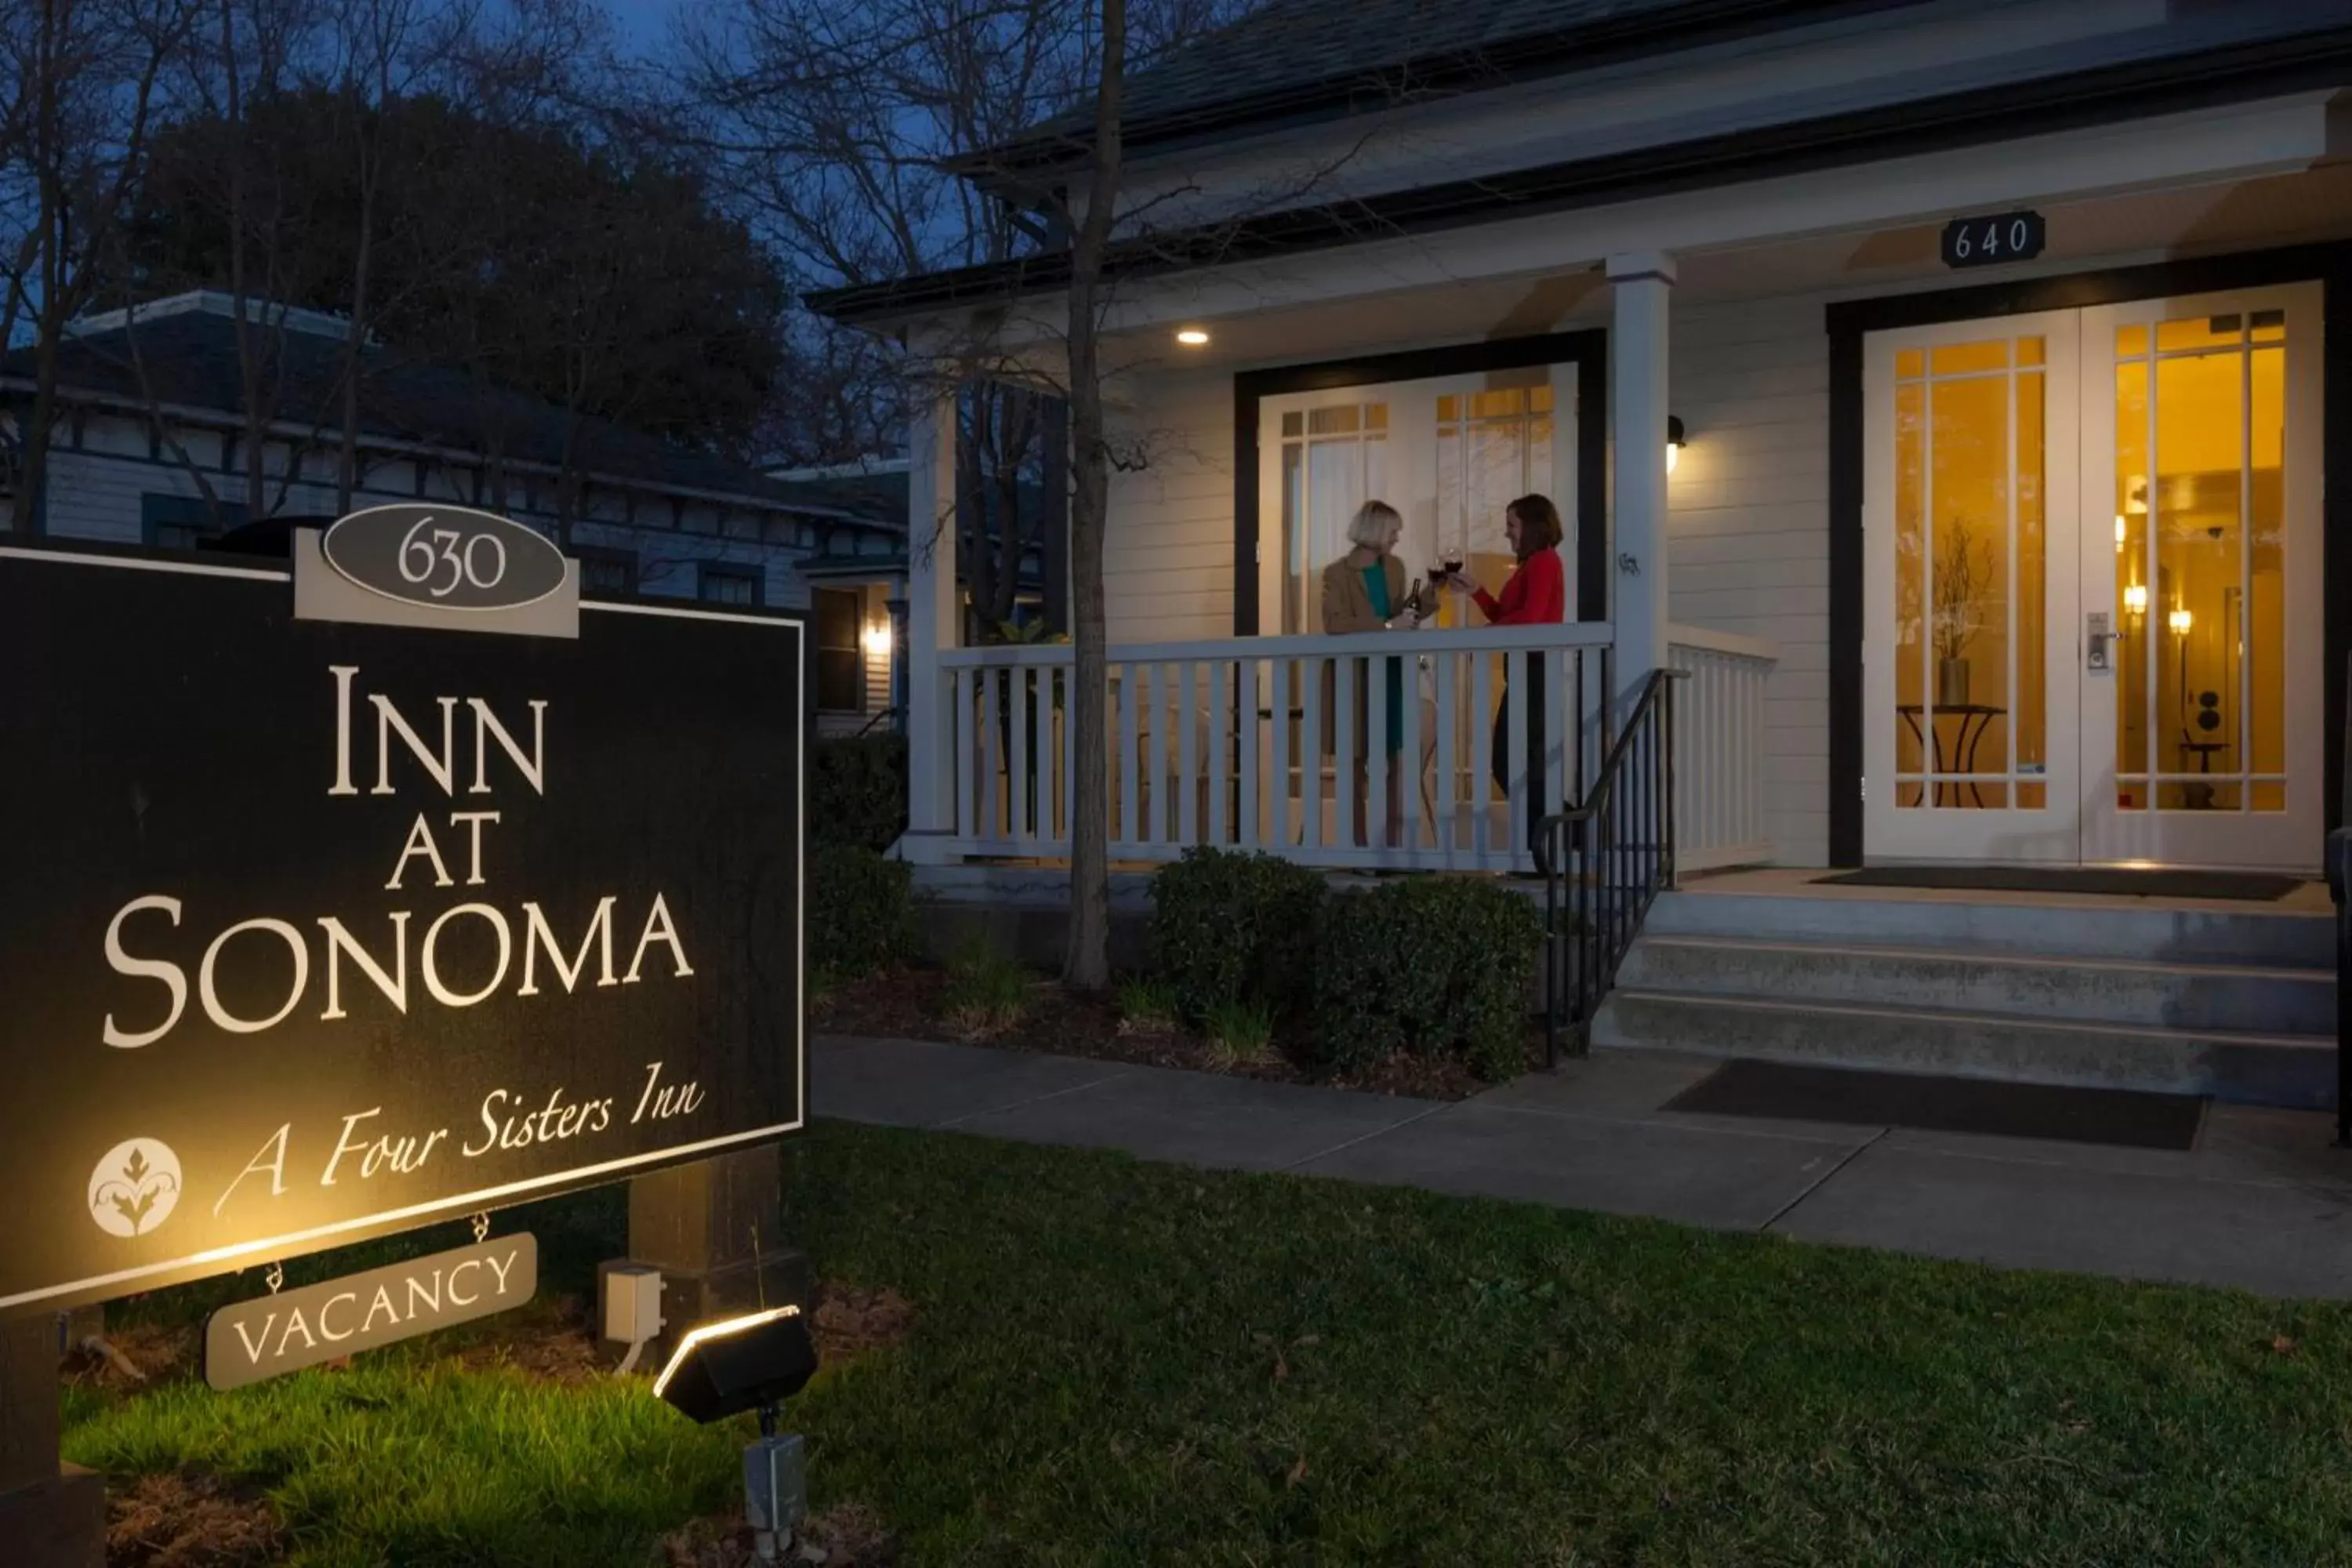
[632,1301]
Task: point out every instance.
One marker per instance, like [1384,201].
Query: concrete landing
[2262,1203]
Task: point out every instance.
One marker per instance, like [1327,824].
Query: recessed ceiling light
[1191,337]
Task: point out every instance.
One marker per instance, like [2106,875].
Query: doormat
[2253,887]
[1789,1092]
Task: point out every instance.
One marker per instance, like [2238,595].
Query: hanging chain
[481,1227]
[275,1278]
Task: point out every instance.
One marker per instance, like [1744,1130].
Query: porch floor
[2260,1202]
[1797,881]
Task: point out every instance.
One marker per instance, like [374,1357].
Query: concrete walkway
[2261,1203]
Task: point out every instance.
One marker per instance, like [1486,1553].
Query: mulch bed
[905,1004]
[191,1519]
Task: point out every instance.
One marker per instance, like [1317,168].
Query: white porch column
[1643,282]
[933,623]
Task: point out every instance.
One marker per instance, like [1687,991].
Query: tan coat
[1348,607]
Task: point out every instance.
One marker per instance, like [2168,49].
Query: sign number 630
[480,560]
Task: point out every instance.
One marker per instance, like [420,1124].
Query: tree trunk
[1088,967]
[347,464]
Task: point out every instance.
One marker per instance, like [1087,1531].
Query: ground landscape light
[752,1363]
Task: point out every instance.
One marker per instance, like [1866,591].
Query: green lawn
[1117,1363]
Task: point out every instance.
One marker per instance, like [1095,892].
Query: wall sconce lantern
[2136,599]
[1673,441]
[877,640]
[2180,621]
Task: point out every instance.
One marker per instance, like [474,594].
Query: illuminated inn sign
[323,913]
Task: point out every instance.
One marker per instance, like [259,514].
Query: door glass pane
[2199,576]
[1972,577]
[2200,564]
[1910,582]
[2263,633]
[1493,447]
[1968,564]
[2030,720]
[1338,466]
[2133,638]
[1959,359]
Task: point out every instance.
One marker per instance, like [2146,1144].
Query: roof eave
[1027,164]
[2100,95]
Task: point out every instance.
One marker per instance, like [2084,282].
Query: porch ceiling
[2147,226]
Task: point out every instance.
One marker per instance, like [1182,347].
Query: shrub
[861,911]
[857,791]
[1146,1005]
[1232,927]
[1239,1032]
[986,992]
[1433,965]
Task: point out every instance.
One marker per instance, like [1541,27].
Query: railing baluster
[1163,817]
[1220,673]
[968,759]
[1449,713]
[1344,739]
[1482,744]
[1310,762]
[1128,828]
[1278,791]
[1017,766]
[1249,798]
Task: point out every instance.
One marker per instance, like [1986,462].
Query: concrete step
[2256,936]
[2289,1070]
[2212,997]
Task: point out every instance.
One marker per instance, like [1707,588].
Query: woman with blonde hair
[1364,591]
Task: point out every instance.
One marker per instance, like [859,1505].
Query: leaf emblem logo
[134,1187]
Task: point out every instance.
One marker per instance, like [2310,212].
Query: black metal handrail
[1608,857]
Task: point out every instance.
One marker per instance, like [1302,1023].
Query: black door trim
[1588,349]
[2329,264]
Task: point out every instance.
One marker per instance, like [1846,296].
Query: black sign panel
[1990,241]
[311,931]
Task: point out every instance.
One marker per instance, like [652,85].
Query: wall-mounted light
[2119,533]
[878,641]
[1191,337]
[2180,621]
[2136,599]
[1673,441]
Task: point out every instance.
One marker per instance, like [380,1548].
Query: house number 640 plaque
[1990,241]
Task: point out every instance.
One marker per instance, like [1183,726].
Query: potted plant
[1963,572]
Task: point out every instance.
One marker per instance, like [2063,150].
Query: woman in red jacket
[1536,595]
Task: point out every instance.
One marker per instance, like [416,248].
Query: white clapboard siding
[1167,555]
[1749,533]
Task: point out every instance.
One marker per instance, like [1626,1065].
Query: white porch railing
[1719,748]
[1262,743]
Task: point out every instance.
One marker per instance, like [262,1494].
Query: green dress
[1376,585]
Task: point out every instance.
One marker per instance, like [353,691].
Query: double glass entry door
[2092,556]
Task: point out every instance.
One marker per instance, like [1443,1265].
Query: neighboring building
[865,586]
[2014,543]
[149,404]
